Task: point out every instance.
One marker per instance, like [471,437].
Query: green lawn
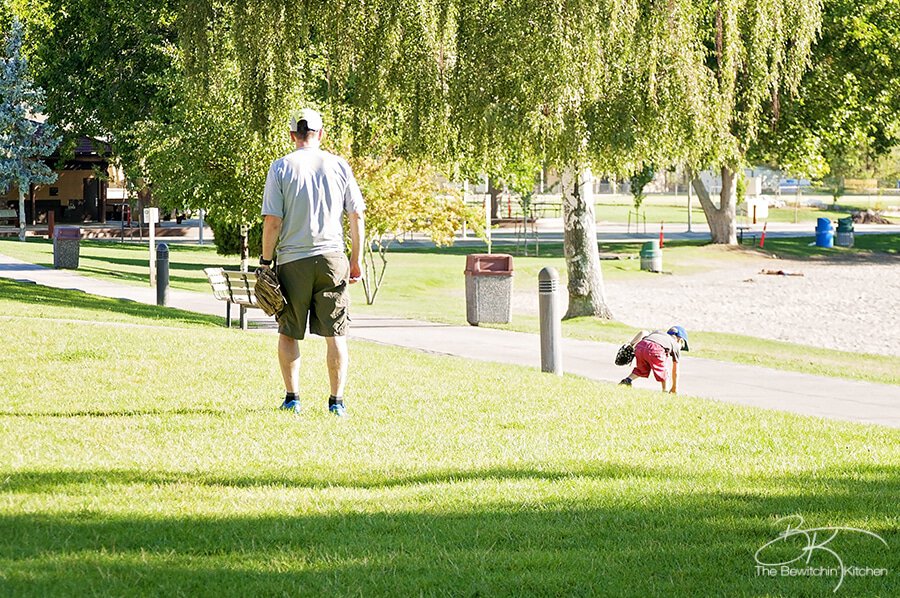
[136,463]
[429,285]
[886,246]
[127,262]
[672,210]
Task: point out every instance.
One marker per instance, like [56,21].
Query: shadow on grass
[614,543]
[142,277]
[174,264]
[128,412]
[47,296]
[54,481]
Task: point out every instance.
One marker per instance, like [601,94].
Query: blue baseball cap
[681,333]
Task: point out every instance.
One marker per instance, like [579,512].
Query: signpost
[151,217]
[487,213]
[690,214]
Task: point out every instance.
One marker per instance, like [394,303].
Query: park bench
[10,217]
[233,287]
[554,208]
[743,231]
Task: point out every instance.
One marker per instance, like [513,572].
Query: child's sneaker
[625,382]
[339,410]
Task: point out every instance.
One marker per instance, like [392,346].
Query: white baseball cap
[309,116]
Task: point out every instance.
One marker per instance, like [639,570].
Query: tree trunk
[33,216]
[721,218]
[494,192]
[586,293]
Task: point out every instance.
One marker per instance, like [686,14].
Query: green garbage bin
[651,257]
[844,236]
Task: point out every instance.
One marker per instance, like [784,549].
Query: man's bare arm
[271,231]
[357,238]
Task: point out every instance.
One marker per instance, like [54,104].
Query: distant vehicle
[792,184]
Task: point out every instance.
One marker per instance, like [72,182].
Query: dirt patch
[846,306]
[852,307]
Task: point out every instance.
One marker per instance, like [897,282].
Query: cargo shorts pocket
[331,308]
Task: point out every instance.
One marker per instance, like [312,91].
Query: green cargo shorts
[316,292]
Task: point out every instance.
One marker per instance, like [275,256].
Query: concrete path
[723,381]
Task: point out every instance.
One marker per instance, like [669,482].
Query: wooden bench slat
[234,286]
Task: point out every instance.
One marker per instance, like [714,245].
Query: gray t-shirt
[667,342]
[310,189]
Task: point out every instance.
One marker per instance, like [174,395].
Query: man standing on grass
[307,192]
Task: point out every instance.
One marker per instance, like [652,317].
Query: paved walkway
[723,381]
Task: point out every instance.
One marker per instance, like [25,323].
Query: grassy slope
[135,463]
[429,285]
[127,262]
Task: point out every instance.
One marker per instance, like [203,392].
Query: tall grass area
[140,456]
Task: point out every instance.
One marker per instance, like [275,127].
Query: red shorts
[650,357]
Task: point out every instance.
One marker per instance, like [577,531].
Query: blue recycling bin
[824,233]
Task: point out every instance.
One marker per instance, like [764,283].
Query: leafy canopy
[25,142]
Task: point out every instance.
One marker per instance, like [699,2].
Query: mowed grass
[429,284]
[128,263]
[673,210]
[150,460]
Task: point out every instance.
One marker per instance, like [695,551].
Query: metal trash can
[66,246]
[824,233]
[489,288]
[651,257]
[844,236]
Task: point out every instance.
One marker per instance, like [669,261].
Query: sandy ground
[848,306]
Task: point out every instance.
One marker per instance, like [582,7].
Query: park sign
[151,215]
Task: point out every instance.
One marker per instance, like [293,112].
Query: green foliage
[740,191]
[198,91]
[639,180]
[227,235]
[846,115]
[107,66]
[403,198]
[25,143]
[215,150]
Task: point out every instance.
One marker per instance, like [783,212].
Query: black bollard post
[551,321]
[162,274]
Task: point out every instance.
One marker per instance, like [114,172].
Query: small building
[79,193]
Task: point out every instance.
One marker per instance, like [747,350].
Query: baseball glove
[625,355]
[268,292]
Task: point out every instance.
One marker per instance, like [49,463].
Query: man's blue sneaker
[338,410]
[291,405]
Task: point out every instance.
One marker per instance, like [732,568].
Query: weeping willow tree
[601,85]
[215,146]
[756,52]
[373,69]
[580,86]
